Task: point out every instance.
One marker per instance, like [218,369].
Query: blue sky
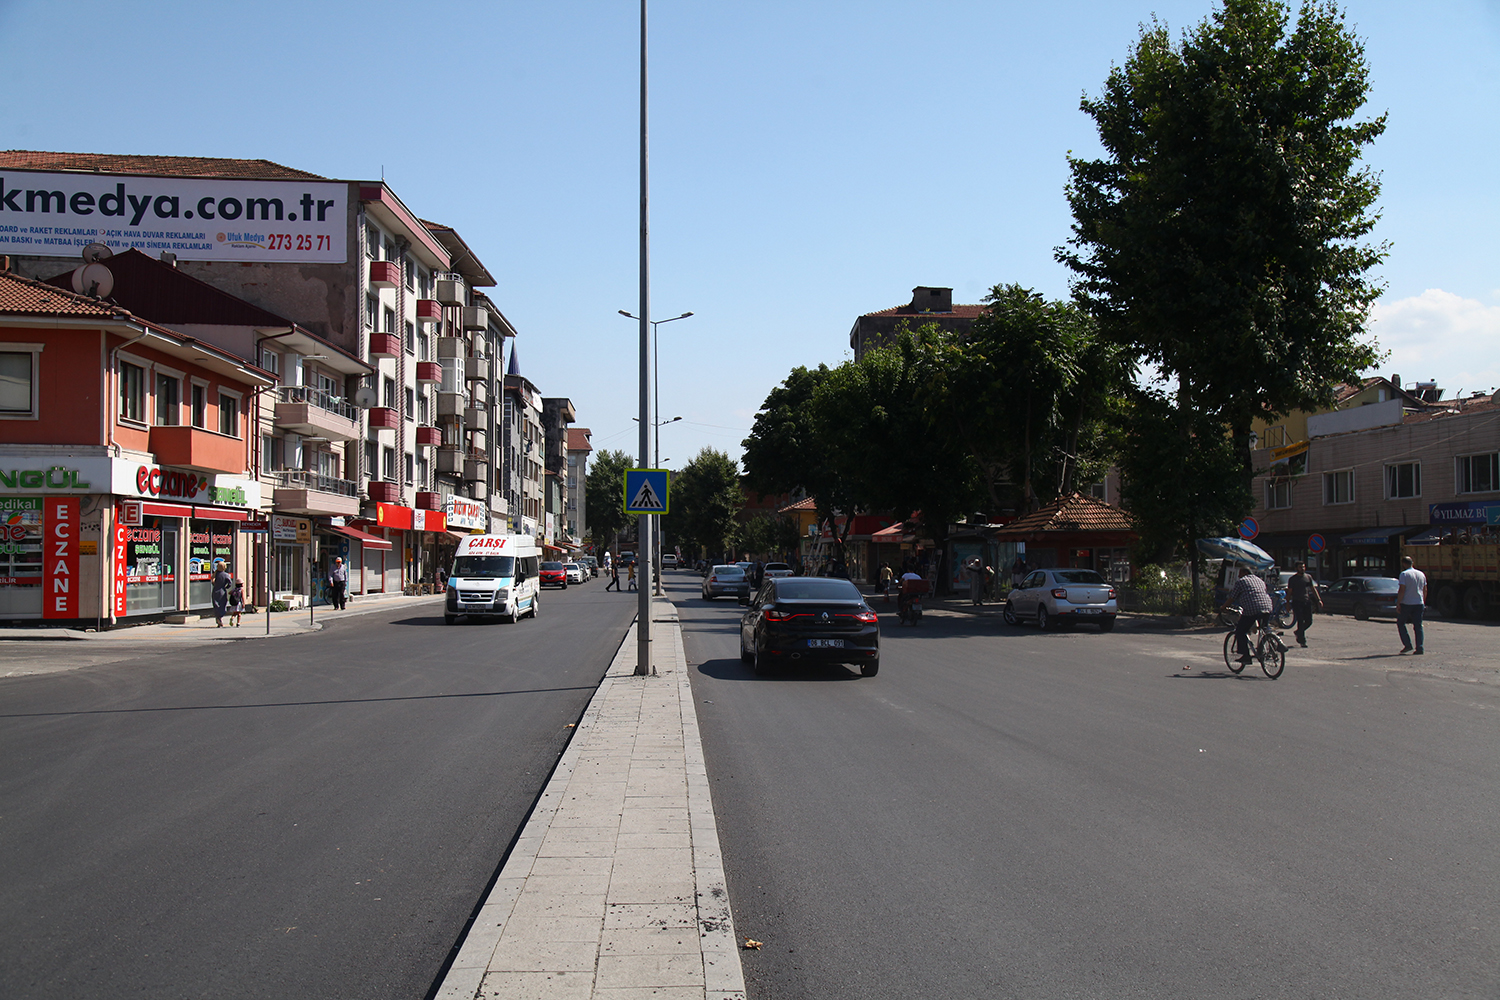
[810,161]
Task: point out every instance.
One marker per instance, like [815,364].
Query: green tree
[706,503]
[604,492]
[773,534]
[1222,238]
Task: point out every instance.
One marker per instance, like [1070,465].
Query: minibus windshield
[484,566]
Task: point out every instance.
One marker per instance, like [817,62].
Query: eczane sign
[57,215]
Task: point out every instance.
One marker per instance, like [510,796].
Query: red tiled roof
[25,297]
[578,439]
[149,287]
[1074,512]
[961,311]
[808,503]
[172,166]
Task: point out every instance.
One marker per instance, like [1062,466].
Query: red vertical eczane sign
[122,537]
[60,557]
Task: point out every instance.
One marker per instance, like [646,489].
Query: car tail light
[772,615]
[1111,593]
[1060,594]
[868,617]
[713,579]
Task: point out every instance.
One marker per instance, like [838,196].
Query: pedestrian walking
[614,577]
[236,601]
[1017,572]
[338,584]
[630,579]
[1302,591]
[221,583]
[1411,600]
[975,568]
[886,576]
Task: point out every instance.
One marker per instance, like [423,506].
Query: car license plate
[1088,611]
[825,644]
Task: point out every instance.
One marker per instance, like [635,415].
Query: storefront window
[286,571]
[20,556]
[150,566]
[208,542]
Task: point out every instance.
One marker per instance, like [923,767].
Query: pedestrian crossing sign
[647,490]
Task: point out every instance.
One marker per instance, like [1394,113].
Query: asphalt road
[1004,813]
[312,816]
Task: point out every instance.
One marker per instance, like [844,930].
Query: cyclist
[1254,601]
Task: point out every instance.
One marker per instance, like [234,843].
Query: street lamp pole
[643,522]
[657,422]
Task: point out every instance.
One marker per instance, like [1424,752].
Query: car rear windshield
[1077,576]
[551,565]
[815,588]
[487,567]
[777,566]
[1383,585]
[728,571]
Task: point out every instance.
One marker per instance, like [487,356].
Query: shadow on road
[734,670]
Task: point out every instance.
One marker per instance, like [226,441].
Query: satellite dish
[365,397]
[95,252]
[93,279]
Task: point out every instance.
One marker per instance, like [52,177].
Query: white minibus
[494,575]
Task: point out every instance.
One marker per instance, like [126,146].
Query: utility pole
[644,550]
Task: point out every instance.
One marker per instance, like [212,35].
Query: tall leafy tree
[604,493]
[706,503]
[1223,236]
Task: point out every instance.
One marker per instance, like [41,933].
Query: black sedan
[1362,597]
[802,619]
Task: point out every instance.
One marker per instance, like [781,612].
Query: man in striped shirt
[1253,600]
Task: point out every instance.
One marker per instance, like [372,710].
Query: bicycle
[1270,648]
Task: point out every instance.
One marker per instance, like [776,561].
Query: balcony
[450,292]
[450,347]
[313,493]
[479,489]
[450,404]
[429,437]
[198,449]
[383,492]
[474,416]
[384,274]
[450,461]
[429,373]
[478,394]
[476,469]
[476,318]
[476,439]
[384,418]
[385,345]
[314,413]
[429,501]
[429,311]
[477,370]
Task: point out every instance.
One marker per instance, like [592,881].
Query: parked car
[1361,596]
[809,620]
[777,570]
[723,580]
[574,572]
[590,564]
[553,574]
[1062,596]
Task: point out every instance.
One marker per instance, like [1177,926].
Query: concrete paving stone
[642,841]
[536,986]
[626,915]
[560,835]
[484,934]
[462,984]
[732,994]
[654,820]
[529,955]
[649,890]
[588,815]
[653,859]
[555,928]
[539,906]
[566,885]
[571,865]
[616,971]
[652,993]
[650,941]
[652,801]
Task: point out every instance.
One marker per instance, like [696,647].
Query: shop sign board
[60,557]
[391,515]
[1473,512]
[291,529]
[122,544]
[68,474]
[465,514]
[283,221]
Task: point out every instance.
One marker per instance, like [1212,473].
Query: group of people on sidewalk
[1254,601]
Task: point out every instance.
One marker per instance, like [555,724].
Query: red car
[553,574]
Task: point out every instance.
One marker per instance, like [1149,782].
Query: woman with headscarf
[222,582]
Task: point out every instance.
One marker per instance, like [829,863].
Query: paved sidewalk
[204,629]
[616,887]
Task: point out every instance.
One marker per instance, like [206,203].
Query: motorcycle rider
[912,586]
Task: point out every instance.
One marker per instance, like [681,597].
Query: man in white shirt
[1411,597]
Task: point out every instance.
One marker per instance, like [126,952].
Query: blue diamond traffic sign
[646,491]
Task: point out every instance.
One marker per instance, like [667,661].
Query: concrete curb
[593,900]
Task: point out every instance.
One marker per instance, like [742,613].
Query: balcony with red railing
[383,492]
[383,418]
[429,501]
[429,373]
[384,274]
[384,345]
[429,437]
[429,311]
[198,449]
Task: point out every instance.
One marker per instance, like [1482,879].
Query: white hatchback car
[574,571]
[1061,596]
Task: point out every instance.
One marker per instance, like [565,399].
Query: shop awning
[152,508]
[370,541]
[1373,536]
[1432,536]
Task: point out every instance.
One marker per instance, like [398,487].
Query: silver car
[777,570]
[723,580]
[1061,596]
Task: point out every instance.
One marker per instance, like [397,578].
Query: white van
[494,575]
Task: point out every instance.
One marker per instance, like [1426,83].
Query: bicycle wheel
[1234,665]
[1271,652]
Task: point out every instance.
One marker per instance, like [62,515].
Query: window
[411,337]
[18,381]
[372,459]
[1338,487]
[199,405]
[411,280]
[1477,473]
[168,402]
[229,414]
[390,321]
[1278,494]
[132,392]
[388,464]
[268,453]
[422,410]
[270,360]
[423,350]
[1403,480]
[411,467]
[390,393]
[421,480]
[372,242]
[390,250]
[411,404]
[372,310]
[329,385]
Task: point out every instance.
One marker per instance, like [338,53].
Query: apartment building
[579,448]
[523,446]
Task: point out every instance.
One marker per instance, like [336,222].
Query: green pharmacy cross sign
[647,491]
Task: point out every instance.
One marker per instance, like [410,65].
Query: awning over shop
[153,509]
[1432,536]
[370,541]
[887,536]
[1373,536]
